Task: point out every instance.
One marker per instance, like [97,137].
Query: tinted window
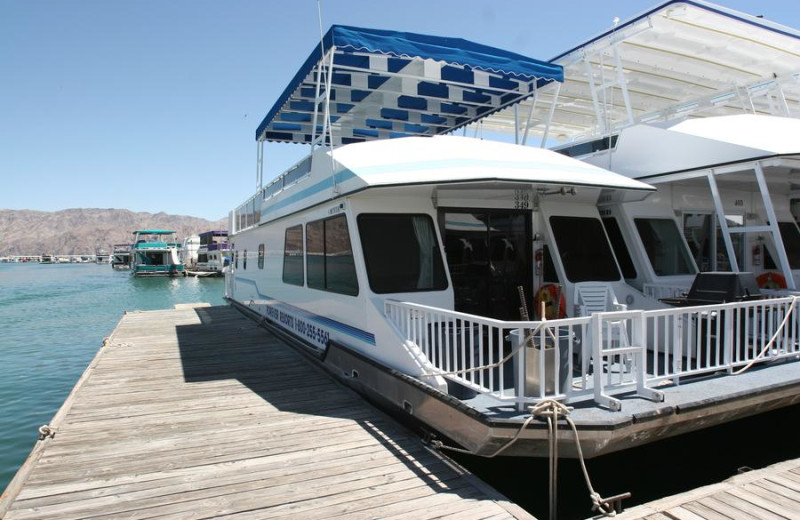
[620,249]
[791,242]
[315,254]
[244,260]
[583,249]
[401,253]
[664,246]
[261,256]
[329,256]
[293,256]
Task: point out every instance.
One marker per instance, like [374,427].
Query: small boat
[156,252]
[47,259]
[121,257]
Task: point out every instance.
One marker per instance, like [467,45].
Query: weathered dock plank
[771,493]
[199,413]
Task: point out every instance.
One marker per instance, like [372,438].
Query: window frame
[326,285]
[300,282]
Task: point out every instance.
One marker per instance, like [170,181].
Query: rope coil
[46,431]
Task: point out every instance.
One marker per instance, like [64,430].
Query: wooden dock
[769,493]
[199,413]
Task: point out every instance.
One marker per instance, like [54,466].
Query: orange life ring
[771,280]
[549,293]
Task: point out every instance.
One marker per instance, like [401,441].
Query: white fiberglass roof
[453,159]
[680,59]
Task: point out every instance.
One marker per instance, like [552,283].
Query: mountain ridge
[84,230]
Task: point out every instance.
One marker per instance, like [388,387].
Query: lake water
[53,319]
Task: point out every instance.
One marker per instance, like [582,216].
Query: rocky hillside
[82,231]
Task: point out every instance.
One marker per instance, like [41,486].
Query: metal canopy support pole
[516,124]
[259,165]
[623,84]
[327,60]
[530,114]
[723,224]
[783,258]
[550,116]
[595,102]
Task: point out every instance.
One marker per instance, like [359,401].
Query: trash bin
[531,355]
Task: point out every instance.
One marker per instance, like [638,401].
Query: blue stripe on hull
[349,330]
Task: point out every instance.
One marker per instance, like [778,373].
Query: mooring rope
[46,431]
[550,409]
[771,342]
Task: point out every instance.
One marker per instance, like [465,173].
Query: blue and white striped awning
[393,84]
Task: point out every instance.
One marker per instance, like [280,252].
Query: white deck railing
[598,356]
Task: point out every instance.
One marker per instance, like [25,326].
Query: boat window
[236,259]
[244,260]
[401,253]
[329,256]
[620,248]
[790,236]
[704,237]
[293,256]
[549,274]
[583,249]
[261,256]
[664,246]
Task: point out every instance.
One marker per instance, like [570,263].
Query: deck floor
[769,493]
[198,413]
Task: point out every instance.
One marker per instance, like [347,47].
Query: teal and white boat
[156,252]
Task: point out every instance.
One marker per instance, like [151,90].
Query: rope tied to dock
[46,431]
[550,410]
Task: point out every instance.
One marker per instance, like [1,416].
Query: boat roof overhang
[463,161]
[680,59]
[695,147]
[382,84]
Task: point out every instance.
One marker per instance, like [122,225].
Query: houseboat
[674,97]
[213,255]
[121,257]
[155,252]
[405,262]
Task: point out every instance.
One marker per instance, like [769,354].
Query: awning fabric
[394,84]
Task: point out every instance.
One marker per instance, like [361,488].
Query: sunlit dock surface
[198,412]
[772,492]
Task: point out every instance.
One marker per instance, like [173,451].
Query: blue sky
[152,105]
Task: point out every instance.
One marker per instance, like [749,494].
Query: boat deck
[198,412]
[772,492]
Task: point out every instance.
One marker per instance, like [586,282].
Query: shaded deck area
[199,413]
[769,493]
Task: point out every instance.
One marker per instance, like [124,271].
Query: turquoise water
[53,319]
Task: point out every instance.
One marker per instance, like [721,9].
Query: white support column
[550,115]
[595,102]
[623,85]
[260,165]
[530,114]
[783,259]
[723,225]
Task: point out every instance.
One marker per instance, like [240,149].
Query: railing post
[727,316]
[521,366]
